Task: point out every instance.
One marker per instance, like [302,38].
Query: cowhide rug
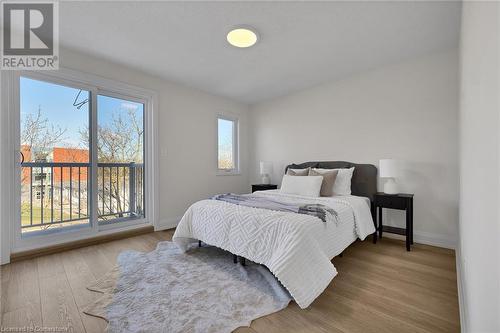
[199,291]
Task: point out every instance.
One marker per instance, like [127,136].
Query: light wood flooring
[380,288]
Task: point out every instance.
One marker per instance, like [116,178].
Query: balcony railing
[59,193]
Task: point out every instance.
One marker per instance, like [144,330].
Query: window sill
[57,247]
[60,230]
[228,173]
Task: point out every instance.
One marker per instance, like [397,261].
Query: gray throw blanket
[320,211]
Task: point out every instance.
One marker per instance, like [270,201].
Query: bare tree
[118,141]
[39,135]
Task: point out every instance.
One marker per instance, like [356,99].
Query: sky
[56,105]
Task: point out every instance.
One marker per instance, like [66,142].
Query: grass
[37,214]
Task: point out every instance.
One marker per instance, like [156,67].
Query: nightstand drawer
[394,202]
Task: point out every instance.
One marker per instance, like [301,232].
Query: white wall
[187,136]
[4,149]
[479,250]
[407,111]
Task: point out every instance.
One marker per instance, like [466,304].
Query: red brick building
[72,155]
[58,155]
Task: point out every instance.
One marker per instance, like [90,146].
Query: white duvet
[296,248]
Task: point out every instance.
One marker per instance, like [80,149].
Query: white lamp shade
[266,168]
[388,168]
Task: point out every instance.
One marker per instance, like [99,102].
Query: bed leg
[242,261]
[235,258]
[373,210]
[199,243]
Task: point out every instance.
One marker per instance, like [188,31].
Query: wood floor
[379,288]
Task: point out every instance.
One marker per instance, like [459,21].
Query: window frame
[95,85]
[236,145]
[105,225]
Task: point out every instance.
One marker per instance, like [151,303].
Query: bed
[296,248]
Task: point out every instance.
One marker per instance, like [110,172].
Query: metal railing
[55,193]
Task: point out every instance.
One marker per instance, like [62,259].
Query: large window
[83,153]
[227,145]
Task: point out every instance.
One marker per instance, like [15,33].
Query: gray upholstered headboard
[364,179]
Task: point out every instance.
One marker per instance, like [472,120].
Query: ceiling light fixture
[242,37]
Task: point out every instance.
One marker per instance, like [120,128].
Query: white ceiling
[302,43]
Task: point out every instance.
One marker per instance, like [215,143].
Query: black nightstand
[400,201]
[263,187]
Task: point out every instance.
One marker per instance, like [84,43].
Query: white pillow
[308,186]
[342,185]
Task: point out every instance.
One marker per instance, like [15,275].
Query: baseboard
[168,223]
[426,238]
[461,291]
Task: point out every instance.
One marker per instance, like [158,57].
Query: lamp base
[266,180]
[390,187]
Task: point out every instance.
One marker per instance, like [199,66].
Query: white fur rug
[198,291]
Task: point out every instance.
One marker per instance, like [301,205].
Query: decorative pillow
[342,185]
[306,186]
[329,177]
[298,172]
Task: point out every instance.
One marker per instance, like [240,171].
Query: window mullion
[94,189]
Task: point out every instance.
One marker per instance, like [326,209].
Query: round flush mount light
[242,37]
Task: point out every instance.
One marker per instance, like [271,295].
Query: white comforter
[296,248]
